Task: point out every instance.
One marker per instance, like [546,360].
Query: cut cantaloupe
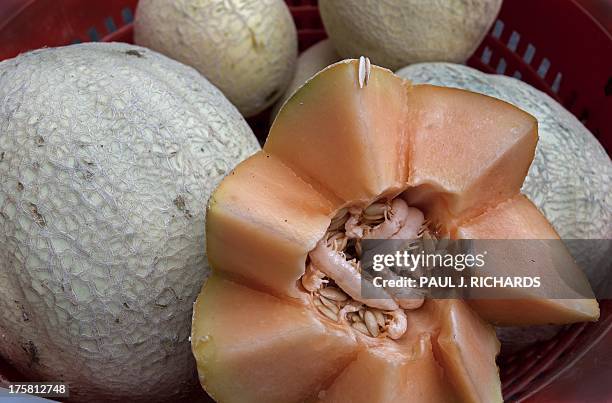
[447,354]
[274,218]
[345,142]
[253,347]
[545,256]
[359,153]
[387,375]
[466,348]
[467,151]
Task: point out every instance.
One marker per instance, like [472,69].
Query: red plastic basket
[554,45]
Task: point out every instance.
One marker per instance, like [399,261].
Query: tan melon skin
[396,33]
[256,336]
[247,48]
[106,153]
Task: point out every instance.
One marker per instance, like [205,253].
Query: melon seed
[333,307]
[325,310]
[355,318]
[333,294]
[360,326]
[380,318]
[371,324]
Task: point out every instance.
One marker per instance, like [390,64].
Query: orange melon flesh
[463,344]
[518,218]
[253,347]
[389,375]
[261,223]
[467,151]
[349,141]
[467,349]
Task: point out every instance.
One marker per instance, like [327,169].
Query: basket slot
[498,28]
[486,55]
[557,82]
[513,41]
[109,23]
[501,66]
[93,34]
[543,68]
[127,15]
[529,53]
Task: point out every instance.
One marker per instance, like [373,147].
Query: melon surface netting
[106,153]
[360,153]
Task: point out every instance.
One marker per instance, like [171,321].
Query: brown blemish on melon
[32,352]
[133,52]
[179,202]
[38,218]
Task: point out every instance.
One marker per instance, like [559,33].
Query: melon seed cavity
[333,269]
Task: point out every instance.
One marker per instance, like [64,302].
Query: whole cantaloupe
[108,153]
[394,33]
[247,48]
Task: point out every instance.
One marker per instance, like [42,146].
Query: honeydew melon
[108,153]
[350,152]
[247,48]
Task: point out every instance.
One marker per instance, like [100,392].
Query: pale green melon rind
[311,61]
[308,86]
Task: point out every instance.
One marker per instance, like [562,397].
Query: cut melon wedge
[466,347]
[387,375]
[468,152]
[359,153]
[253,347]
[270,219]
[518,218]
[345,142]
[448,354]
